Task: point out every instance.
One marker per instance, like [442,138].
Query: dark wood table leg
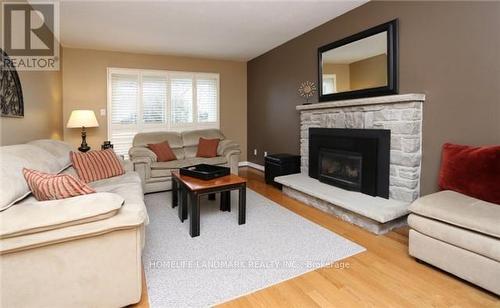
[211,196]
[175,197]
[182,203]
[225,201]
[194,214]
[242,205]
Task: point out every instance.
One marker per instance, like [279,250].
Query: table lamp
[82,119]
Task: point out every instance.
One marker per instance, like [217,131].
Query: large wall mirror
[361,65]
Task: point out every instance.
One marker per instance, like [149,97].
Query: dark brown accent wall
[448,50]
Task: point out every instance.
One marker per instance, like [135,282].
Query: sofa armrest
[140,154]
[127,165]
[231,150]
[227,146]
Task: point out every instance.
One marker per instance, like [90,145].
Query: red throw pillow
[96,165]
[207,147]
[163,151]
[473,171]
[45,186]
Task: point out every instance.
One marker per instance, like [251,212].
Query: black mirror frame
[392,64]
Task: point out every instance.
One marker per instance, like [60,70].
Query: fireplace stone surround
[402,115]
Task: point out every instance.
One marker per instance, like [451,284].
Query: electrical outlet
[265,153]
[254,152]
[103,112]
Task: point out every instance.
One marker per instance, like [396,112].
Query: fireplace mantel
[388,99]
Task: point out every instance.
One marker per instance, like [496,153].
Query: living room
[185,153]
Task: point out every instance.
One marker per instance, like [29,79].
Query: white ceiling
[366,48]
[230,29]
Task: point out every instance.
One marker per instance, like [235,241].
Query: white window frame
[140,126]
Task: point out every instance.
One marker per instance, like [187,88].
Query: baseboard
[251,165]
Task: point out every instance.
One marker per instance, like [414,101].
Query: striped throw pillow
[46,186]
[96,165]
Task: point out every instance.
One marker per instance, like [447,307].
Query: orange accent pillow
[163,151]
[45,186]
[96,165]
[207,147]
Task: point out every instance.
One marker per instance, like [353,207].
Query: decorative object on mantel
[307,90]
[11,98]
[82,119]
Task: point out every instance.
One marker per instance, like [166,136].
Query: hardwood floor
[382,276]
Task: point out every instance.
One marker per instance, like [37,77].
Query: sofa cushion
[159,170]
[484,245]
[179,153]
[474,171]
[132,214]
[58,148]
[96,165]
[191,138]
[40,216]
[163,151]
[460,210]
[174,164]
[143,139]
[130,177]
[13,159]
[207,148]
[47,186]
[218,160]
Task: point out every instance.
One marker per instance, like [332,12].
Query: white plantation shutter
[154,99]
[207,96]
[124,98]
[124,110]
[122,141]
[144,100]
[181,89]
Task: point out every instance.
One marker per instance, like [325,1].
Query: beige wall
[85,77]
[368,73]
[42,110]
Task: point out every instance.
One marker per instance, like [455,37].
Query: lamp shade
[82,118]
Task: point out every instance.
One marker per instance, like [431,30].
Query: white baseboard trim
[250,164]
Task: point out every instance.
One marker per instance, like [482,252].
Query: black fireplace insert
[341,168]
[352,159]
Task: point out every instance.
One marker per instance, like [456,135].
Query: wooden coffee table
[186,193]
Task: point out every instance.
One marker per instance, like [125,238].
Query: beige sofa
[458,234]
[77,252]
[156,176]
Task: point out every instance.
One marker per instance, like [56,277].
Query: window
[329,83]
[146,100]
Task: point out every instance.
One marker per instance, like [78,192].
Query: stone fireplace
[369,149]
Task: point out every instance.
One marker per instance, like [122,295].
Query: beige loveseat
[83,251]
[156,176]
[458,234]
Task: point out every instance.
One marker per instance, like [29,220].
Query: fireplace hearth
[352,159]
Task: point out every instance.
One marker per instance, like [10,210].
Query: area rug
[229,260]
